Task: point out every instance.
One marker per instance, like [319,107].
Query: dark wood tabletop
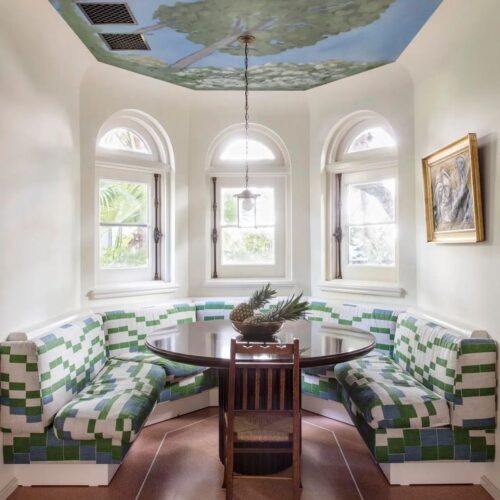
[207,343]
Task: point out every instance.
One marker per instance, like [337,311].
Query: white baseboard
[490,488]
[330,409]
[171,409]
[65,474]
[436,472]
[8,489]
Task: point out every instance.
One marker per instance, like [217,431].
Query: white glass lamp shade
[247,208]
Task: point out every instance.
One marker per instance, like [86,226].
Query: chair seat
[388,397]
[114,406]
[255,426]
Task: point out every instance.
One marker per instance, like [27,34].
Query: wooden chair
[260,414]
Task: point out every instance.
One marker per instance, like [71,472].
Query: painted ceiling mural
[299,44]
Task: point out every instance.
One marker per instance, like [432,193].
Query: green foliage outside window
[123,214]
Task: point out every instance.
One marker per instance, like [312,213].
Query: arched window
[363,202]
[255,247]
[124,139]
[132,182]
[235,150]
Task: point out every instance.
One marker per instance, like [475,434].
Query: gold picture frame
[453,206]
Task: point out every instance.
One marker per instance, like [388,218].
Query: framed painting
[453,207]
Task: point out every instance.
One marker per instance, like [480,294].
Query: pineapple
[289,309]
[258,299]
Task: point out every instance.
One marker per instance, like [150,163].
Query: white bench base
[326,408]
[436,472]
[171,409]
[8,488]
[64,474]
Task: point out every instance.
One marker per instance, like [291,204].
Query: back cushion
[68,358]
[41,375]
[212,309]
[461,370]
[126,329]
[378,321]
[21,402]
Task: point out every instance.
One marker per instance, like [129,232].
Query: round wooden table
[207,343]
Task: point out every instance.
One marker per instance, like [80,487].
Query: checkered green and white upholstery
[461,370]
[114,406]
[173,369]
[39,376]
[126,329]
[388,397]
[189,386]
[46,448]
[21,400]
[212,309]
[381,322]
[437,443]
[321,386]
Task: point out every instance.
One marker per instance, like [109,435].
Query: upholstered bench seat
[172,369]
[114,406]
[388,397]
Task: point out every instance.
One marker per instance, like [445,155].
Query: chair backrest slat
[263,382]
[269,389]
[245,389]
[257,389]
[282,388]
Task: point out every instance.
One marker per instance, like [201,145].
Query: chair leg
[228,479]
[297,484]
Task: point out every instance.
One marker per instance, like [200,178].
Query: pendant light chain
[246,114]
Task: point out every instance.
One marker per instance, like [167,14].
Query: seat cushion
[257,426]
[387,397]
[173,369]
[114,406]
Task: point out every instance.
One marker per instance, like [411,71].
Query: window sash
[110,275]
[276,270]
[356,271]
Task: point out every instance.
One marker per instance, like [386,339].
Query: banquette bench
[79,393]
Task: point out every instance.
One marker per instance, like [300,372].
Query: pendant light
[246,200]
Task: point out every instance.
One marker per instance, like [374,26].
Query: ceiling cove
[300,44]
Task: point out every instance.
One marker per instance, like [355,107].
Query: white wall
[388,92]
[40,77]
[285,113]
[105,91]
[40,74]
[456,71]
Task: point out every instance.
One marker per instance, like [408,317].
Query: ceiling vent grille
[107,13]
[125,41]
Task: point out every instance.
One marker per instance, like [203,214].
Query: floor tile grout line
[343,456]
[151,466]
[159,448]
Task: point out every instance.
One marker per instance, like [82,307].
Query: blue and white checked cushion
[114,406]
[69,357]
[462,370]
[387,397]
[173,369]
[379,321]
[126,329]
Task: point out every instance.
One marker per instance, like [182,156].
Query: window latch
[338,234]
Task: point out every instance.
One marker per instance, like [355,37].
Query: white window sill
[248,283]
[132,289]
[363,287]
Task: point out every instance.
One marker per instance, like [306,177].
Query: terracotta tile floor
[178,459]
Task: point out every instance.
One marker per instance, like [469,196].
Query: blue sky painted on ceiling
[376,43]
